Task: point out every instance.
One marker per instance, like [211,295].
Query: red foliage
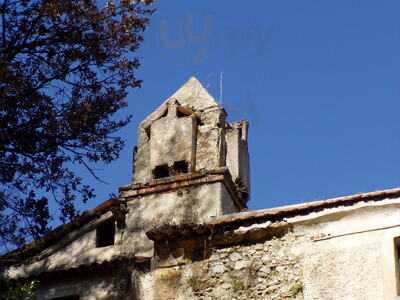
[65,68]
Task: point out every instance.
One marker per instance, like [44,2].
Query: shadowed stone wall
[269,270]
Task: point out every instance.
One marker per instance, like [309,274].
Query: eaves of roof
[57,234]
[278,214]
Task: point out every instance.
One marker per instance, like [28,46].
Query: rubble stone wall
[336,254]
[269,270]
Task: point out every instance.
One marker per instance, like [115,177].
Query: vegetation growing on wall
[18,291]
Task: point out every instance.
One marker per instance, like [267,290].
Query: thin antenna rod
[221,91]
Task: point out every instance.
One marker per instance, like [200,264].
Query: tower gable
[190,165]
[188,133]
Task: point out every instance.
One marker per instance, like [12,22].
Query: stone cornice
[182,181]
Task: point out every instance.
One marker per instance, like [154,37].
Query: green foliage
[238,285]
[25,291]
[296,288]
[195,284]
[274,273]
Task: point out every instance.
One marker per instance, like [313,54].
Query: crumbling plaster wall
[203,146]
[186,205]
[76,249]
[210,154]
[198,139]
[237,158]
[113,284]
[215,144]
[204,140]
[336,254]
[269,270]
[351,254]
[172,139]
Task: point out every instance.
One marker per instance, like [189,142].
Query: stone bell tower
[190,164]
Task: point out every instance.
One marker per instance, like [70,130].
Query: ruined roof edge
[309,207]
[192,84]
[277,214]
[57,234]
[232,221]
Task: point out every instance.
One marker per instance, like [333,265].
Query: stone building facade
[181,229]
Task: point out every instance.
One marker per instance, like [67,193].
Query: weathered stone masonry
[260,270]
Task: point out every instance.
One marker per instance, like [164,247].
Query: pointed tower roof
[192,95]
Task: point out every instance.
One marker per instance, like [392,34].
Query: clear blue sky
[318,81]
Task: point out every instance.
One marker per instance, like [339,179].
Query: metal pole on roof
[221,81]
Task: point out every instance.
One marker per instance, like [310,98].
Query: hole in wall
[181,167]
[161,172]
[180,114]
[105,234]
[198,254]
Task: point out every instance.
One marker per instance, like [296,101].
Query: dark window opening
[105,234]
[161,172]
[181,167]
[198,254]
[72,297]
